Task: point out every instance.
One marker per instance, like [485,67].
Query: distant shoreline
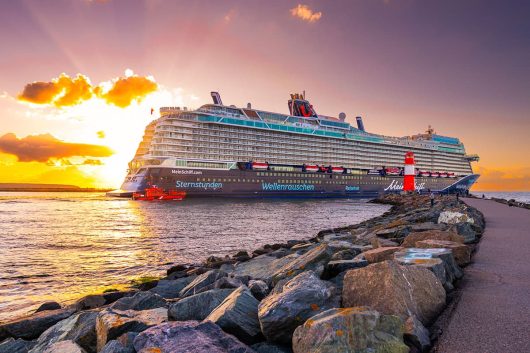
[30,187]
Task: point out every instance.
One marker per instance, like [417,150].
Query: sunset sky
[78,78]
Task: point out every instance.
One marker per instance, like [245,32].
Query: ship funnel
[216,98]
[360,124]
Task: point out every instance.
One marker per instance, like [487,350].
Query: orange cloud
[42,148]
[305,13]
[92,162]
[67,91]
[125,90]
[61,91]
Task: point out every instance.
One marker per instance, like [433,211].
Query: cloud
[66,91]
[124,90]
[508,179]
[43,148]
[305,13]
[92,162]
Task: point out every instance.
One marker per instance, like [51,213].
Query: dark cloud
[42,148]
[66,91]
[126,90]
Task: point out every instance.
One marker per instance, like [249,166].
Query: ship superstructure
[236,147]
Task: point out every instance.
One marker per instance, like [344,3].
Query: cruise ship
[226,151]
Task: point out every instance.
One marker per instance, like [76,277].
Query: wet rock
[198,306]
[380,254]
[312,260]
[241,256]
[64,347]
[299,298]
[33,326]
[79,328]
[48,306]
[411,240]
[170,289]
[358,329]
[461,252]
[112,323]
[450,217]
[268,347]
[188,337]
[90,302]
[140,301]
[302,246]
[116,347]
[395,290]
[12,345]
[333,268]
[200,281]
[415,334]
[238,315]
[262,267]
[258,288]
[181,268]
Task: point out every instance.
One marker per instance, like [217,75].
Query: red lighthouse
[408,179]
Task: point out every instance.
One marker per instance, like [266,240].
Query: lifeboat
[311,168]
[260,166]
[443,175]
[451,175]
[154,193]
[337,170]
[393,171]
[424,173]
[435,174]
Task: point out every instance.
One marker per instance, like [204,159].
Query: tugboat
[153,193]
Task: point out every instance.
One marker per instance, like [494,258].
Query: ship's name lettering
[198,185]
[186,171]
[395,185]
[351,188]
[287,187]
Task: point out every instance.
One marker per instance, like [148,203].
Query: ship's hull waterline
[257,184]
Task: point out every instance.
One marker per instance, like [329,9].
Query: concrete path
[493,314]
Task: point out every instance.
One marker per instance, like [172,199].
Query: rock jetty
[377,286]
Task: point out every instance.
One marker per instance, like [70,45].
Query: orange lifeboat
[154,193]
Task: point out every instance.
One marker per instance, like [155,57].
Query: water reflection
[59,246]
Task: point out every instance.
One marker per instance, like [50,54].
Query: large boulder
[380,254]
[140,301]
[238,315]
[79,328]
[112,323]
[395,290]
[64,347]
[461,252]
[201,281]
[170,289]
[358,329]
[31,327]
[467,231]
[263,267]
[334,267]
[435,265]
[198,306]
[297,300]
[188,337]
[19,345]
[258,288]
[93,301]
[50,305]
[412,238]
[451,217]
[417,256]
[315,259]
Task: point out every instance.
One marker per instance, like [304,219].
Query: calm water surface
[521,196]
[61,246]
